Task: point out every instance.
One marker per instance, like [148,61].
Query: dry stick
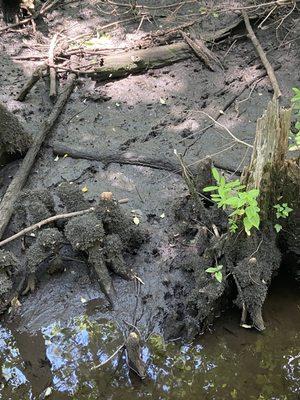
[8,200]
[52,70]
[36,75]
[46,221]
[262,55]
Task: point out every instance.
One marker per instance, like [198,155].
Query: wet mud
[88,266]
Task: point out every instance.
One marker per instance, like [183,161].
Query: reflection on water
[231,363]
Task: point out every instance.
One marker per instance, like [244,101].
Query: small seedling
[282,211]
[216,272]
[232,195]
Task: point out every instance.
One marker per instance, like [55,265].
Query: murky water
[230,363]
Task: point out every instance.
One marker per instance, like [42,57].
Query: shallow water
[228,363]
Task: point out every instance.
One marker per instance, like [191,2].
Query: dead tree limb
[7,203]
[262,55]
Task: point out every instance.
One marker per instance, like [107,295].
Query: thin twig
[109,358]
[46,221]
[228,131]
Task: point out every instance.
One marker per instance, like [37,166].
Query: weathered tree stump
[267,168]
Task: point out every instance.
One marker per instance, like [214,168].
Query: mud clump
[247,266]
[72,198]
[9,266]
[104,235]
[33,206]
[13,137]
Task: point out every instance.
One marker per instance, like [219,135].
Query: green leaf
[232,201]
[234,184]
[277,227]
[219,276]
[248,225]
[210,188]
[215,174]
[212,270]
[253,193]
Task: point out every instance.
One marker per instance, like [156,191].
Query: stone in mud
[72,198]
[13,136]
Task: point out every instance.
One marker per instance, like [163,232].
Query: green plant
[296,107]
[282,211]
[216,272]
[232,195]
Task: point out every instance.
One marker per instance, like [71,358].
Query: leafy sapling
[243,203]
[282,211]
[216,272]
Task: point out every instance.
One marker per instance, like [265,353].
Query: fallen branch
[8,200]
[202,52]
[262,55]
[34,78]
[130,158]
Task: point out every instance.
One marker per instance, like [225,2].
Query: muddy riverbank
[155,280]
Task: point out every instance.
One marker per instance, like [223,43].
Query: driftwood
[7,203]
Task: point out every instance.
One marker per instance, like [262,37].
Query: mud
[13,137]
[150,115]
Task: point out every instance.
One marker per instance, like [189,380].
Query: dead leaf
[136,221]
